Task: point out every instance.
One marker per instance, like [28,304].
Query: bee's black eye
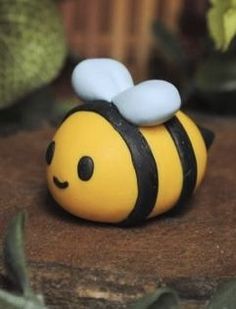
[85,168]
[50,152]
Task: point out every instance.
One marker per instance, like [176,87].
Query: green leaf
[163,298]
[221,4]
[229,26]
[14,256]
[215,26]
[225,296]
[222,22]
[10,301]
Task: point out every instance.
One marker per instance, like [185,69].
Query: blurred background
[42,41]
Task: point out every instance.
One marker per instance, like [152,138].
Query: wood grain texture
[146,16]
[171,11]
[119,29]
[96,266]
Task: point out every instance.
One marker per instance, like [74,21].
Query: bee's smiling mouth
[60,184]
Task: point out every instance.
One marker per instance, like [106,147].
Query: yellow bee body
[103,168]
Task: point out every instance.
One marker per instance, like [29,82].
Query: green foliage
[225,296]
[163,298]
[14,255]
[222,22]
[16,268]
[209,79]
[32,47]
[11,301]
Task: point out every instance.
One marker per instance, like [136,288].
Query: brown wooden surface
[73,262]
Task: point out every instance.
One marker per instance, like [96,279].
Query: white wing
[100,79]
[149,103]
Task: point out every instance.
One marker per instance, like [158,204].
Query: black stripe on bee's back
[187,158]
[142,157]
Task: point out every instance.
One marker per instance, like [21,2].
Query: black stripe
[187,158]
[143,160]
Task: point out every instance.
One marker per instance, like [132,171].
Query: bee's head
[89,166]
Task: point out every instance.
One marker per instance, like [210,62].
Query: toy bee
[128,154]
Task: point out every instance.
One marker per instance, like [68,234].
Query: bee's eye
[85,168]
[50,152]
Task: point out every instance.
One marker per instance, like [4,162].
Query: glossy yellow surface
[197,143]
[170,177]
[110,195]
[169,166]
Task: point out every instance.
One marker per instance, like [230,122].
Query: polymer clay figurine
[127,154]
